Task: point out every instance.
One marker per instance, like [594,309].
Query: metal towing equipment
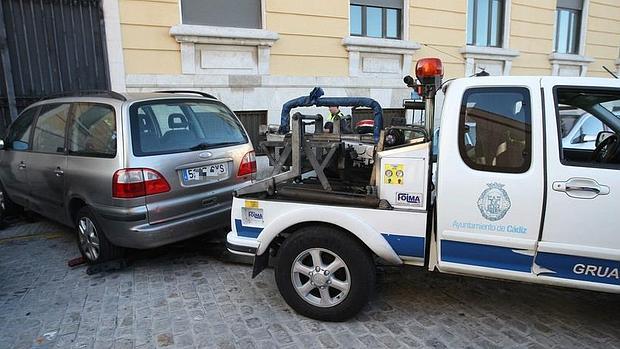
[503,197]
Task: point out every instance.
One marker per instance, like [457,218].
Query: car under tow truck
[501,199]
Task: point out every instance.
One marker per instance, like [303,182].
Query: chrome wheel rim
[320,277]
[89,240]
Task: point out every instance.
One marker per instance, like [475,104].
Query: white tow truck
[502,199]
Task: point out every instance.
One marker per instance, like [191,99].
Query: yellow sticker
[394,174]
[251,204]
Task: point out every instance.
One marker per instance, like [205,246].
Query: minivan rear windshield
[181,125]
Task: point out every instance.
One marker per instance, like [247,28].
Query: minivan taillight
[248,164]
[137,182]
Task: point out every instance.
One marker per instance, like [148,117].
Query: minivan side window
[495,129]
[19,134]
[93,130]
[49,132]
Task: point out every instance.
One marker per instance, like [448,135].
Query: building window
[222,13]
[485,22]
[376,19]
[568,26]
[495,129]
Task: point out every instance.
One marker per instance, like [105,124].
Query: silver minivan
[134,170]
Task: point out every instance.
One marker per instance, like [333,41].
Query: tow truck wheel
[324,274]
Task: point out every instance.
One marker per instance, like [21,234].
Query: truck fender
[369,236]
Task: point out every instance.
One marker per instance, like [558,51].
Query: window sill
[569,58]
[223,50]
[203,34]
[381,58]
[489,52]
[493,60]
[366,44]
[567,64]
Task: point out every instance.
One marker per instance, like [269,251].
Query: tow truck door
[490,177]
[580,243]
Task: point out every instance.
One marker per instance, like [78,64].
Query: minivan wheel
[92,242]
[324,274]
[7,207]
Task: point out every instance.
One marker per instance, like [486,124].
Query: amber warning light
[427,70]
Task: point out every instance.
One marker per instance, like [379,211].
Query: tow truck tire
[338,287]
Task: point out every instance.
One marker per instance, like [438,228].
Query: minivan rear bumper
[129,227]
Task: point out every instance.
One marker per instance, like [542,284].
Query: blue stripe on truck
[410,246]
[579,268]
[485,256]
[247,232]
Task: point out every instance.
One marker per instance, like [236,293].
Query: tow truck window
[495,129]
[593,111]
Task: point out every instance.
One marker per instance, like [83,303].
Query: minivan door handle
[22,165]
[59,172]
[581,188]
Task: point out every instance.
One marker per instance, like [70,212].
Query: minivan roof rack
[204,94]
[81,93]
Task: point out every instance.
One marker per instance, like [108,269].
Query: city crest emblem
[494,202]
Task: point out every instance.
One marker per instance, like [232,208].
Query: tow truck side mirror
[603,135]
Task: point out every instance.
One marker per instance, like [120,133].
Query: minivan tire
[358,272]
[7,207]
[92,241]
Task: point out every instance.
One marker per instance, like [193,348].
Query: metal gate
[47,47]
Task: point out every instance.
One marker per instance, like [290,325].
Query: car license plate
[203,173]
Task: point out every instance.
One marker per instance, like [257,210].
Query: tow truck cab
[506,200]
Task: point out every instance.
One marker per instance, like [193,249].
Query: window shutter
[380,3]
[571,4]
[222,13]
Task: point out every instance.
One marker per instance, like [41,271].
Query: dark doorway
[251,120]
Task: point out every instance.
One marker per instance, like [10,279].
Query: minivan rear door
[197,145]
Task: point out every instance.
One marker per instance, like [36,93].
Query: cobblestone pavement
[188,295]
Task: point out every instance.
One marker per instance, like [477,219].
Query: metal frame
[269,184]
[278,163]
